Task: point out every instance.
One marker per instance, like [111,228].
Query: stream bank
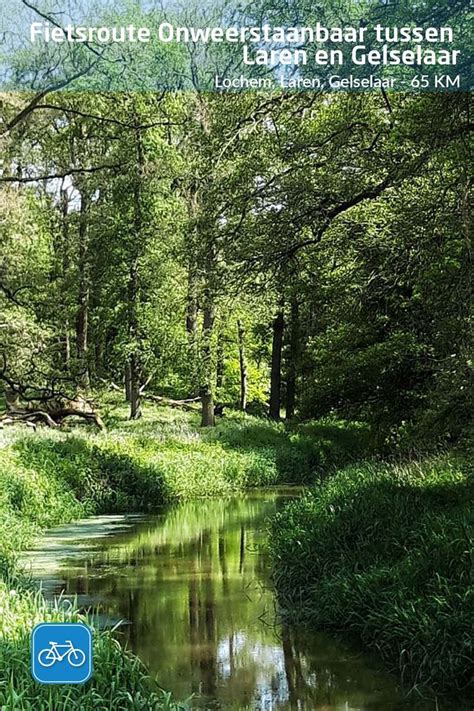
[192,588]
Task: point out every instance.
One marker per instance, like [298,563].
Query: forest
[215,295]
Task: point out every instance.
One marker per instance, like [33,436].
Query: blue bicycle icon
[61,653]
[50,655]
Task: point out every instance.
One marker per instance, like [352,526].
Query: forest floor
[379,551]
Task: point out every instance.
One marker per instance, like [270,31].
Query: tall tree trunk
[191,307]
[134,286]
[66,340]
[293,359]
[67,345]
[191,330]
[127,380]
[82,314]
[135,399]
[207,399]
[134,363]
[243,367]
[275,378]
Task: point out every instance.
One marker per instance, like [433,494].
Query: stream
[192,587]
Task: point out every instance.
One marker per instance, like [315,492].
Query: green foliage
[25,262]
[384,552]
[349,214]
[49,479]
[377,550]
[299,454]
[30,498]
[181,219]
[391,344]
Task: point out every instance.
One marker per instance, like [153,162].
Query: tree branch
[36,99]
[107,119]
[52,21]
[54,176]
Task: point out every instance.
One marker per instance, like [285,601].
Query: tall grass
[119,680]
[138,466]
[384,552]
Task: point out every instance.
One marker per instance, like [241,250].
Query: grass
[383,552]
[47,478]
[141,465]
[119,681]
[380,551]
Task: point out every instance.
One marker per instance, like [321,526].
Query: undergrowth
[383,552]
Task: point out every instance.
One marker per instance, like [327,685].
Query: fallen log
[8,420]
[186,405]
[113,386]
[31,404]
[51,413]
[52,418]
[61,414]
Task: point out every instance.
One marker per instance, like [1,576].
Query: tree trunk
[82,314]
[134,286]
[275,380]
[191,330]
[135,399]
[220,364]
[207,415]
[207,400]
[66,340]
[191,307]
[134,364]
[127,379]
[292,362]
[243,367]
[67,346]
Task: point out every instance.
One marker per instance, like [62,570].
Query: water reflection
[193,586]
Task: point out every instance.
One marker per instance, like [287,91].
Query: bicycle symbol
[50,655]
[67,660]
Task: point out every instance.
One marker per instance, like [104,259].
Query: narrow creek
[192,585]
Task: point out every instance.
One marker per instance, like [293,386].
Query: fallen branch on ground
[51,411]
[51,418]
[186,404]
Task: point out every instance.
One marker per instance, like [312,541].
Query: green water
[192,586]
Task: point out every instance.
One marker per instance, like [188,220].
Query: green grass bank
[383,553]
[47,478]
[119,681]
